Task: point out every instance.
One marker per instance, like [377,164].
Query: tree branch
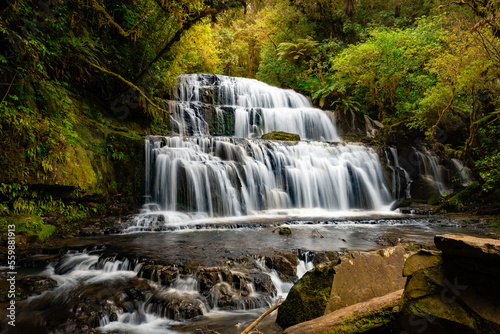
[8,89]
[434,127]
[129,84]
[132,32]
[262,316]
[186,25]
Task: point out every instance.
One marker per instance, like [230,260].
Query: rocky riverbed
[213,277]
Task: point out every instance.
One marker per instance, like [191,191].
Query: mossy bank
[67,159]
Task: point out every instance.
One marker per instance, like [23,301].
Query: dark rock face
[455,291]
[308,297]
[284,264]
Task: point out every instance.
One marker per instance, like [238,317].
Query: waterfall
[201,174]
[398,172]
[255,107]
[432,170]
[463,171]
[304,262]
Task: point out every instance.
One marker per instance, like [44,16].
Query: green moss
[308,297]
[494,224]
[462,201]
[28,225]
[285,231]
[434,200]
[280,135]
[360,323]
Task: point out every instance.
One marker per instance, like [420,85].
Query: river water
[100,273]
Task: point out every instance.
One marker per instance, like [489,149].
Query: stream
[116,283]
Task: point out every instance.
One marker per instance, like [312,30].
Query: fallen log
[210,269]
[262,316]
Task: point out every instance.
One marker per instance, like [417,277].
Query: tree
[385,71]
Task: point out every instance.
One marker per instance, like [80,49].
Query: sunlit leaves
[301,50]
[387,68]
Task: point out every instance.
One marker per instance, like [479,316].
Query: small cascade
[464,173]
[304,262]
[431,170]
[85,268]
[400,178]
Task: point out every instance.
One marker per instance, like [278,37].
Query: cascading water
[203,176]
[431,169]
[401,189]
[203,103]
[464,173]
[304,262]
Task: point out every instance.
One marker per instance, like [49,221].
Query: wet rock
[38,284]
[321,257]
[223,296]
[285,231]
[91,230]
[164,275]
[308,297]
[39,261]
[388,241]
[455,291]
[178,305]
[263,283]
[372,126]
[285,268]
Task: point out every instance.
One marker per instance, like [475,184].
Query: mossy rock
[434,200]
[308,297]
[282,136]
[28,225]
[285,231]
[463,201]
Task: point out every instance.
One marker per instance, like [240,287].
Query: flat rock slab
[471,253]
[365,275]
[421,260]
[350,319]
[469,246]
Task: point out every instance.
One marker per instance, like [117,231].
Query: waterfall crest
[204,103]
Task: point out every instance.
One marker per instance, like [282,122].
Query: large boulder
[356,277]
[473,250]
[365,275]
[455,291]
[308,297]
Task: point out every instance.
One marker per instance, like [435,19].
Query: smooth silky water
[214,190]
